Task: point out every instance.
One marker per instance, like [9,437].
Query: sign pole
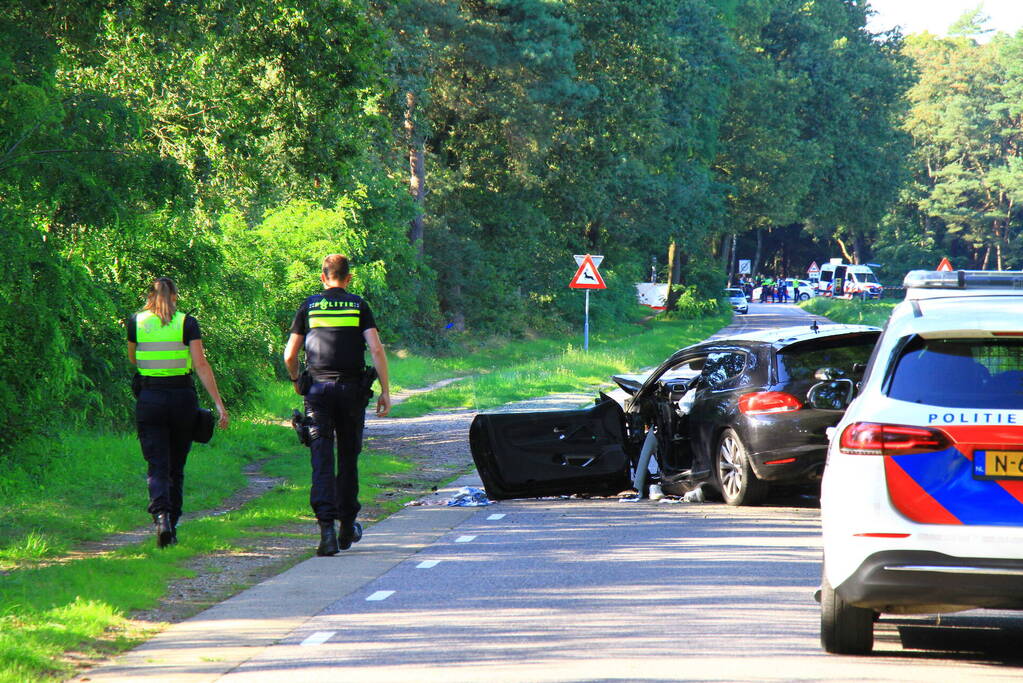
[587,278]
[586,324]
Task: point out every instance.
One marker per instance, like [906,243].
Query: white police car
[922,497]
[737,300]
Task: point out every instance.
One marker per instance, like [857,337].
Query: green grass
[76,487]
[851,312]
[410,371]
[97,486]
[564,369]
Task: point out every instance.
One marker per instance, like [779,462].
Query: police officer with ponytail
[335,327]
[165,346]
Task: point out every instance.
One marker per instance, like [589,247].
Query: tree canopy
[460,151]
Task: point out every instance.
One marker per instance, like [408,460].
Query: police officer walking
[335,328]
[165,345]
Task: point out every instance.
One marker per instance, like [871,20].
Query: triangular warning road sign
[814,269]
[587,277]
[945,265]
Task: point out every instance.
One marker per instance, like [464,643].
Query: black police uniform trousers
[166,419]
[338,410]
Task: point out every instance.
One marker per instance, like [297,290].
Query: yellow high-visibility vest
[160,350]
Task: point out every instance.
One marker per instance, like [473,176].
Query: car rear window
[799,362]
[960,373]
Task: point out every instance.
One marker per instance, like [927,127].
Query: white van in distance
[848,281]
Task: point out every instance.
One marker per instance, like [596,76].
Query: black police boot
[328,539]
[164,530]
[351,532]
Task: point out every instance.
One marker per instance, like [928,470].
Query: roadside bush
[706,277]
[691,306]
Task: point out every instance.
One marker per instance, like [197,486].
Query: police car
[737,300]
[922,496]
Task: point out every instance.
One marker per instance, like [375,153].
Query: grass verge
[852,312]
[565,369]
[50,606]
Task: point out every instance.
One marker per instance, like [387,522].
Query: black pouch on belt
[305,382]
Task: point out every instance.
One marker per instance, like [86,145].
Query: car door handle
[566,432]
[577,460]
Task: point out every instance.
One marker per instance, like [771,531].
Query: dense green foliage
[460,151]
[966,119]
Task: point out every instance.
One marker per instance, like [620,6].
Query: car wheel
[803,297]
[845,629]
[736,480]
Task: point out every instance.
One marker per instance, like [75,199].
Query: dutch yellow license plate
[1003,464]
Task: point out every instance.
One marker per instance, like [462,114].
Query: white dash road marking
[427,564]
[318,638]
[465,539]
[380,595]
[496,516]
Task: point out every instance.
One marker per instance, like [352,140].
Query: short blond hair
[335,267]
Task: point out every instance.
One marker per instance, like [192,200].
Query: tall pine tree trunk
[417,172]
[674,271]
[859,248]
[755,266]
[675,267]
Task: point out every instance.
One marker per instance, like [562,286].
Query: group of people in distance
[771,289]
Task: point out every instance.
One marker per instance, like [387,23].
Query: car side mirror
[835,394]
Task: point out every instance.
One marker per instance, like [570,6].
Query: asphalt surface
[566,590]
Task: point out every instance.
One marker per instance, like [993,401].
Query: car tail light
[766,402]
[869,438]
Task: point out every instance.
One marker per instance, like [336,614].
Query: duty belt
[343,377]
[171,382]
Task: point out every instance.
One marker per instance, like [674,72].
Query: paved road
[566,590]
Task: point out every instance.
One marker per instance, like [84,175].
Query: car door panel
[525,455]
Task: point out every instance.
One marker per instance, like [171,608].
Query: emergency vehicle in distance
[844,280]
[922,496]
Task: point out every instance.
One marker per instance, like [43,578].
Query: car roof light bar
[964,279]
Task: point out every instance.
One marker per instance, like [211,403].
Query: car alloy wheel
[737,482]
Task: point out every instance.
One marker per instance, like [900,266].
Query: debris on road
[468,497]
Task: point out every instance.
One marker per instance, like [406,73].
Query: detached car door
[526,455]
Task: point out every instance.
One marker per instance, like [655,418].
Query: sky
[916,16]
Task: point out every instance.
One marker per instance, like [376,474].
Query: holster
[305,382]
[301,424]
[369,376]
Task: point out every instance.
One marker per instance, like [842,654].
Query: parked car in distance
[801,290]
[737,299]
[731,413]
[922,498]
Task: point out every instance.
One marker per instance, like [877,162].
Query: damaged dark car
[738,415]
